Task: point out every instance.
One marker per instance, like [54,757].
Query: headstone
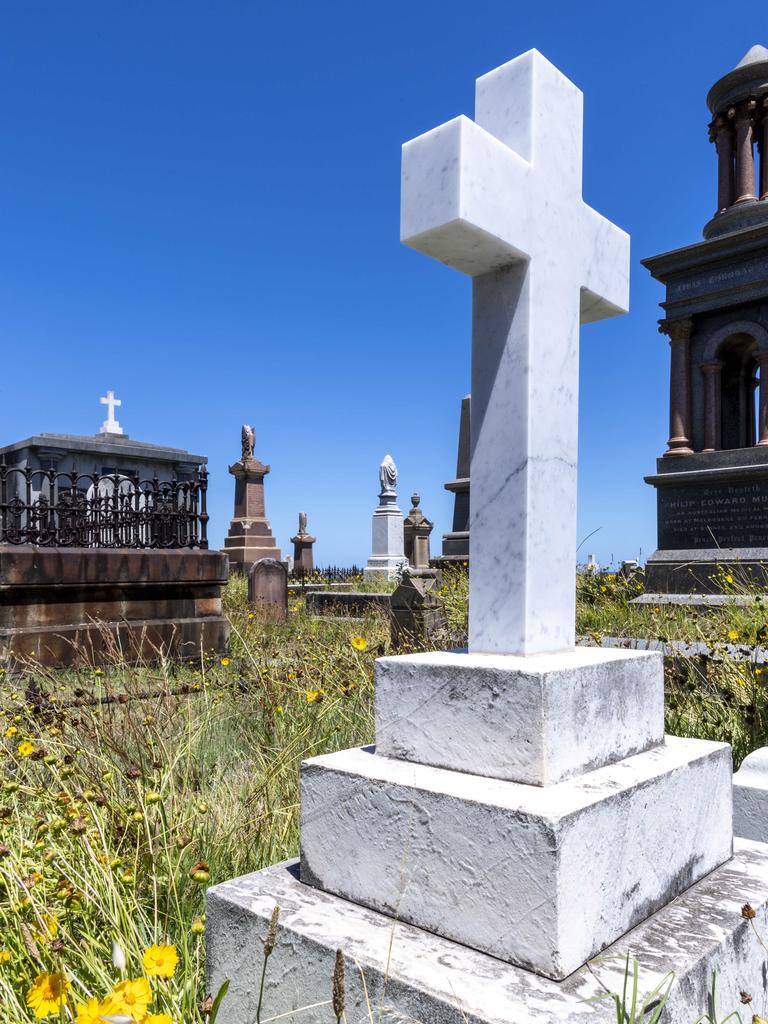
[416,531]
[593,566]
[418,615]
[521,801]
[268,588]
[456,543]
[387,555]
[303,560]
[712,481]
[250,536]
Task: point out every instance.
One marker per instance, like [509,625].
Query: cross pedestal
[522,809]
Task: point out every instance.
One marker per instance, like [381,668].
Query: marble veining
[499,199]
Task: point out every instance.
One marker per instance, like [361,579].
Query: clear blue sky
[199,207]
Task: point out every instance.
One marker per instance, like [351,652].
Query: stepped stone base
[414,975]
[545,876]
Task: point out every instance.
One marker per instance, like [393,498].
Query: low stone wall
[56,603]
[324,603]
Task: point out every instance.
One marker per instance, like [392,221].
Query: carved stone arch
[754,330]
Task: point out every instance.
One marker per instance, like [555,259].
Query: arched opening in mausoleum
[738,390]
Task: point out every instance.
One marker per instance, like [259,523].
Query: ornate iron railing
[332,574]
[65,510]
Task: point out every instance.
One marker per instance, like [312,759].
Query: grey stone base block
[409,974]
[750,797]
[537,719]
[698,570]
[545,877]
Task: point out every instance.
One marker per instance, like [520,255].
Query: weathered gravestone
[416,531]
[268,587]
[417,613]
[303,542]
[250,535]
[522,810]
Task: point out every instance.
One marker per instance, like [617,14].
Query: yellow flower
[315,696]
[729,579]
[733,634]
[47,995]
[131,998]
[160,961]
[47,930]
[25,748]
[11,731]
[157,1018]
[5,956]
[92,1011]
[359,643]
[225,661]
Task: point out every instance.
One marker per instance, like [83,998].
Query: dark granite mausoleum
[712,482]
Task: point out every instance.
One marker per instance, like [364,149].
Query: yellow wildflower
[225,661]
[729,579]
[733,634]
[48,994]
[5,956]
[46,930]
[160,961]
[25,748]
[92,1011]
[11,731]
[359,643]
[130,997]
[315,696]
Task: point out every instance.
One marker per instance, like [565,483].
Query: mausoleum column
[761,358]
[745,163]
[712,405]
[679,332]
[721,133]
[764,151]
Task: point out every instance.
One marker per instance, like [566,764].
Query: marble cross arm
[605,269]
[455,205]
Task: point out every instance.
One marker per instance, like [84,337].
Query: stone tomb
[712,481]
[522,809]
[268,588]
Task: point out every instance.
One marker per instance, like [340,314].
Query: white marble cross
[110,424]
[499,198]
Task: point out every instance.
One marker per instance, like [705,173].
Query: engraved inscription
[732,515]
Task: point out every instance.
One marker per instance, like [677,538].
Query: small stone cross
[110,424]
[499,199]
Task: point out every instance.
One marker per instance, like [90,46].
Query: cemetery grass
[115,817]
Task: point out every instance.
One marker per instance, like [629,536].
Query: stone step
[537,719]
[500,866]
[395,968]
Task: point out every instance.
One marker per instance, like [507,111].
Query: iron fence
[92,510]
[332,574]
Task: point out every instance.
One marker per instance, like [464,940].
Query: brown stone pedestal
[250,537]
[62,605]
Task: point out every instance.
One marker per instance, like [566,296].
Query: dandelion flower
[48,994]
[131,997]
[25,748]
[160,961]
[359,643]
[729,579]
[225,661]
[5,956]
[314,696]
[733,634]
[11,731]
[92,1011]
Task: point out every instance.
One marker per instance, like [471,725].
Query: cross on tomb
[110,424]
[499,199]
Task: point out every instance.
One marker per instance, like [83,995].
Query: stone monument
[387,552]
[522,809]
[456,543]
[303,560]
[712,481]
[268,588]
[416,531]
[250,537]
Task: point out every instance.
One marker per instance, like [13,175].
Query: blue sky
[199,208]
